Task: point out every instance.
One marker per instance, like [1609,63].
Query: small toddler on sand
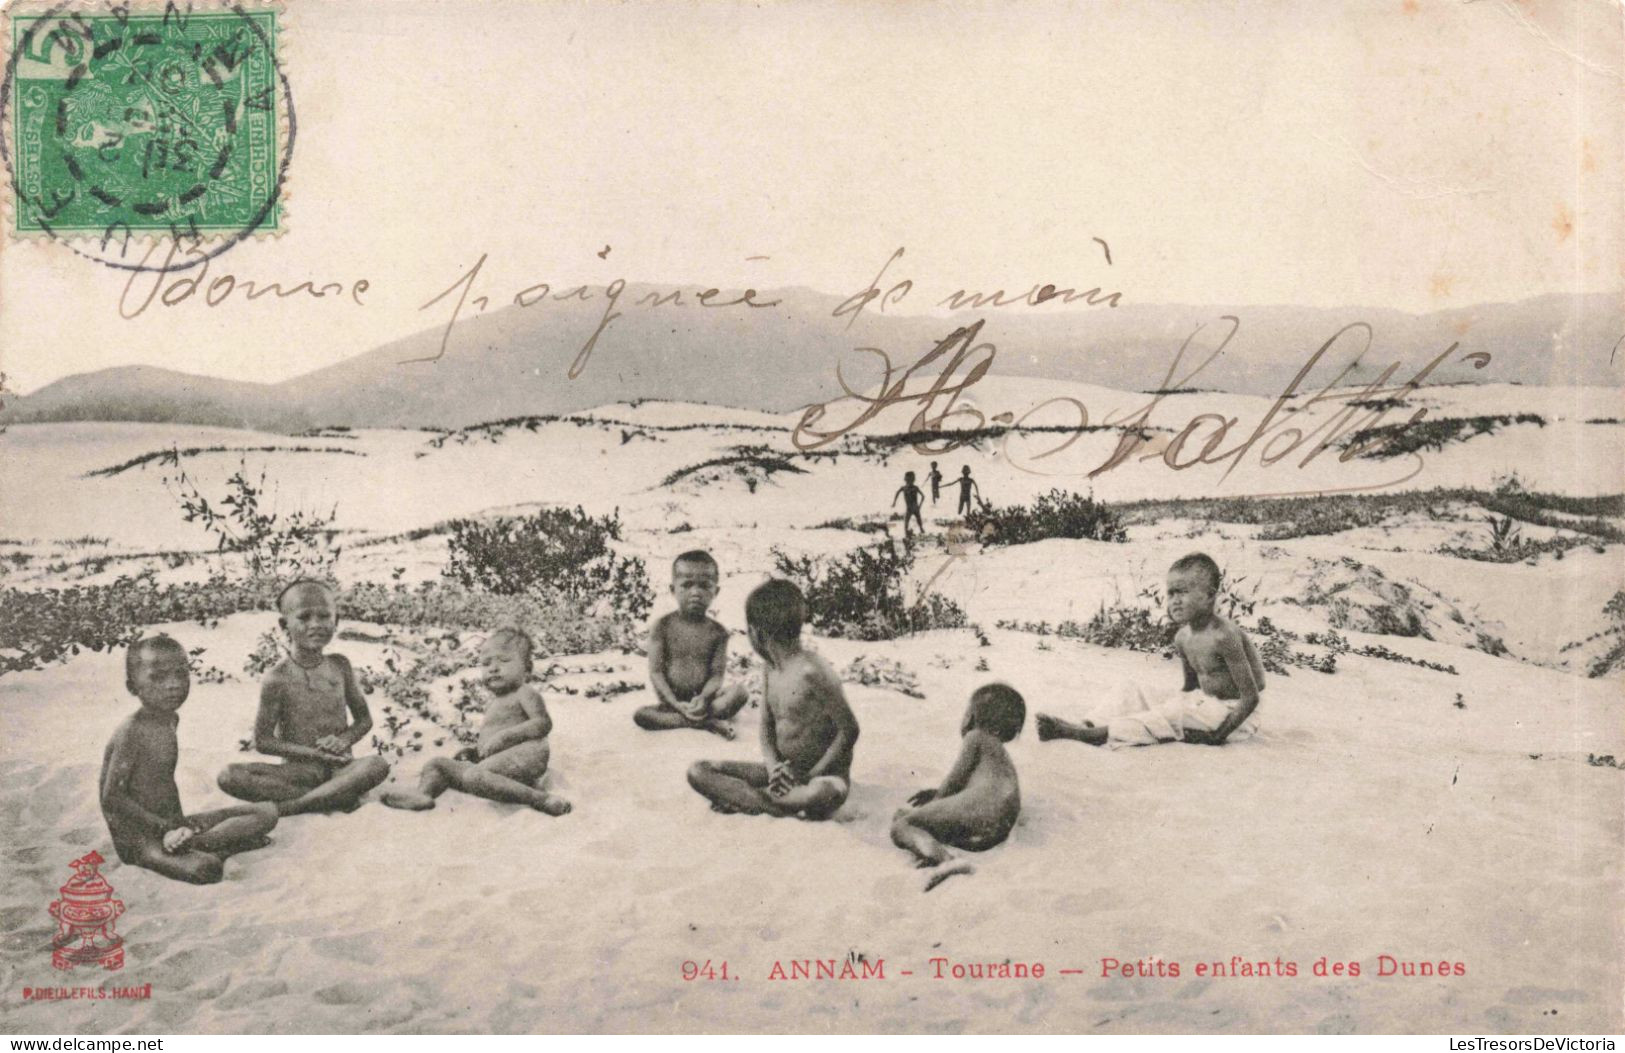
[511,758]
[978,802]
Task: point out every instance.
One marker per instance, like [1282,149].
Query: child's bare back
[808,730]
[807,708]
[979,800]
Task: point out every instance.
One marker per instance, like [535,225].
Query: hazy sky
[1413,153]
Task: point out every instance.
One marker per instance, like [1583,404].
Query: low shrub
[1120,625]
[555,550]
[269,544]
[862,595]
[39,627]
[1394,440]
[1057,514]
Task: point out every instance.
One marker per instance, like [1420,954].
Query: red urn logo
[85,915]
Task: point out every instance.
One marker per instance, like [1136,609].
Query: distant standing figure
[967,487]
[936,482]
[913,497]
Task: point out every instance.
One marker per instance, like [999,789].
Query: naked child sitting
[977,804]
[138,794]
[511,758]
[688,656]
[808,731]
[312,713]
[1218,659]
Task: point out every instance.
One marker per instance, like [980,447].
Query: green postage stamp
[129,121]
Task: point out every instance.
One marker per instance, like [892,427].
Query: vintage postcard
[1023,516]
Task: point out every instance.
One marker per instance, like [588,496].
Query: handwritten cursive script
[191,264]
[935,382]
[541,292]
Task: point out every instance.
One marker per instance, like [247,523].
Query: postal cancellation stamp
[131,122]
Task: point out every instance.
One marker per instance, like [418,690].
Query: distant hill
[513,361]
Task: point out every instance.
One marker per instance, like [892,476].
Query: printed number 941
[706,970]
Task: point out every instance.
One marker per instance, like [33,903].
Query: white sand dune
[1386,810]
[1373,817]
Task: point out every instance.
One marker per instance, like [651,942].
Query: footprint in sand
[82,835]
[192,966]
[1543,995]
[612,849]
[250,992]
[1341,1024]
[347,992]
[352,948]
[22,942]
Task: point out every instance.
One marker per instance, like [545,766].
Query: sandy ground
[1374,816]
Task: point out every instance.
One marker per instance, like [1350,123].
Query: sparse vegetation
[493,431]
[1394,440]
[879,671]
[555,551]
[269,544]
[861,595]
[865,526]
[754,465]
[1282,518]
[39,627]
[172,457]
[1613,658]
[1057,514]
[1121,625]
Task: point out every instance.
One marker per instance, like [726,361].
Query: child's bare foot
[943,875]
[934,858]
[554,806]
[723,809]
[1048,727]
[411,800]
[719,727]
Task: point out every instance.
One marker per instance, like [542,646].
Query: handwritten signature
[936,382]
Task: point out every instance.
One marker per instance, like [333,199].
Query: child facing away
[508,763]
[978,802]
[913,497]
[935,478]
[688,656]
[808,731]
[312,713]
[138,794]
[1217,657]
[967,490]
